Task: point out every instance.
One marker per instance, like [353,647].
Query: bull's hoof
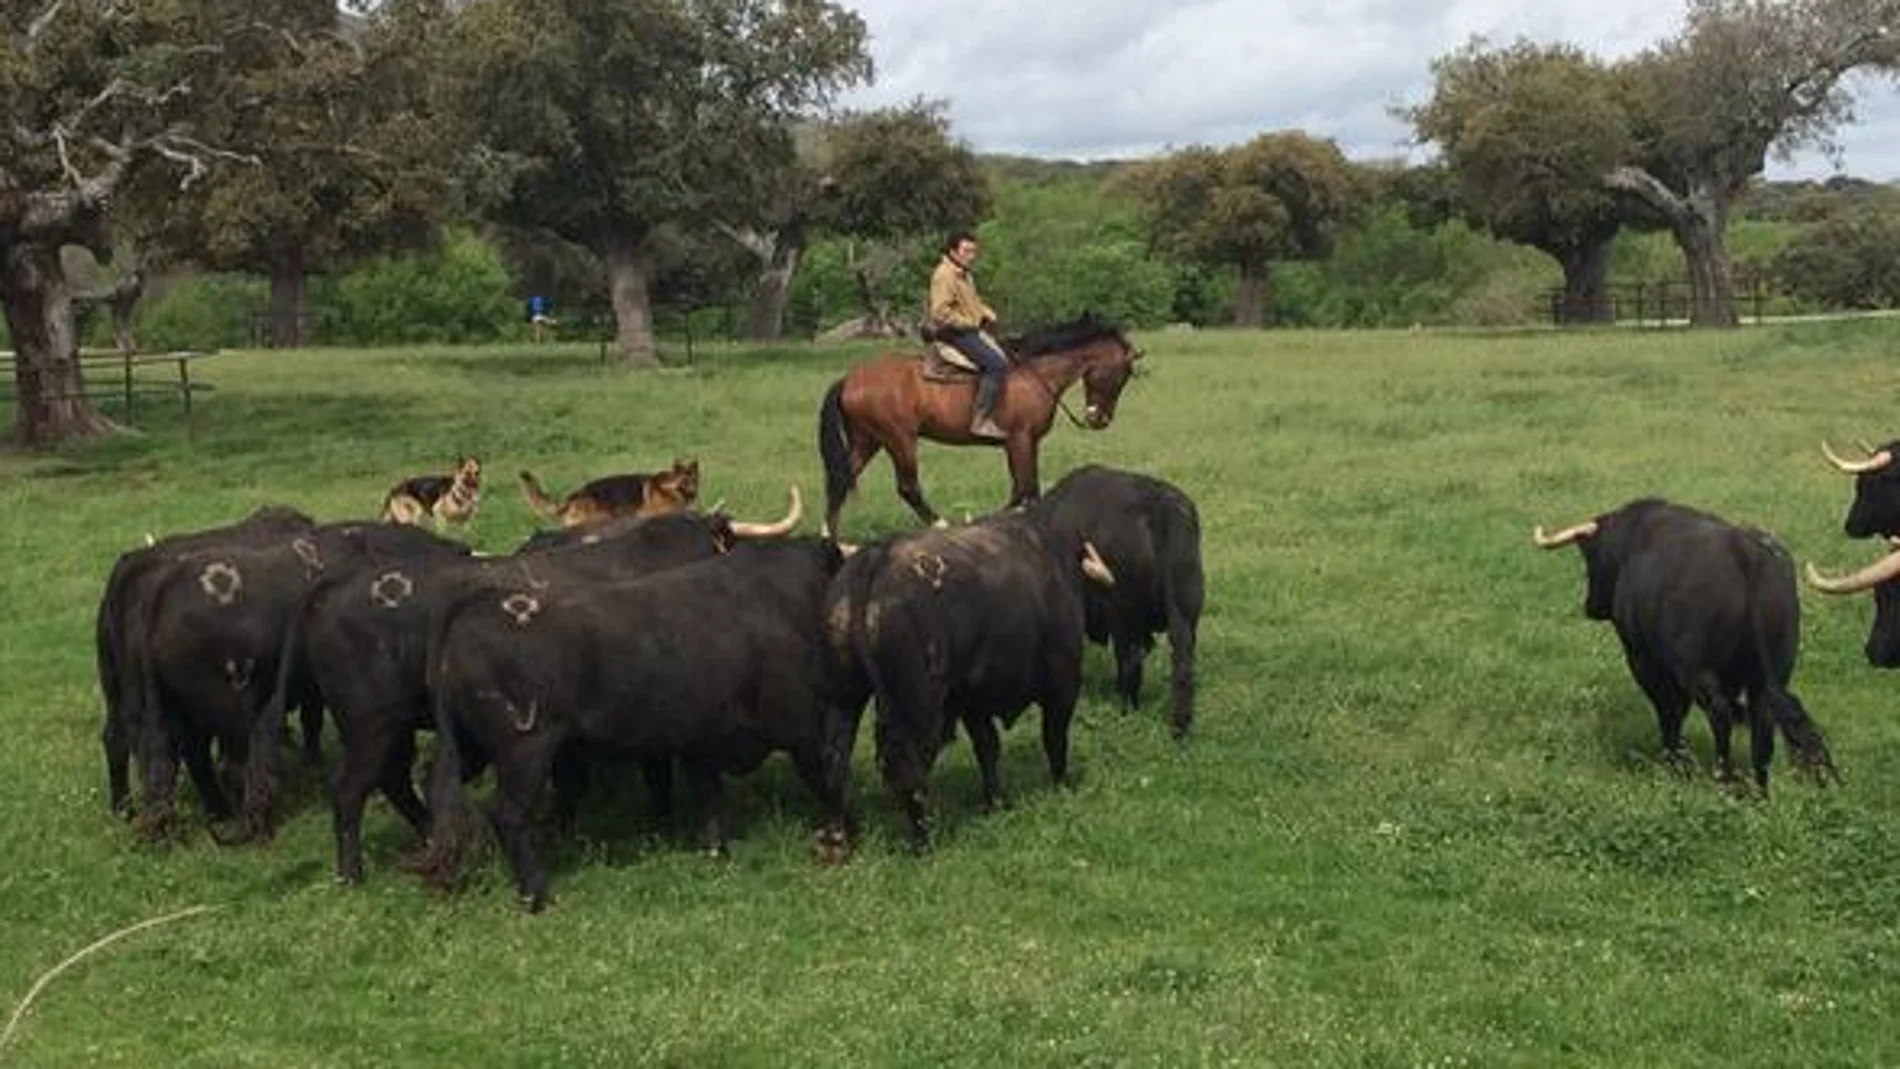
[153,826]
[224,836]
[535,902]
[833,848]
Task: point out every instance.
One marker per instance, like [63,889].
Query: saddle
[944,363]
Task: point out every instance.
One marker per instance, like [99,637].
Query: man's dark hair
[959,237]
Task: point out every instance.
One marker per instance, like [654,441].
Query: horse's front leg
[1024,486]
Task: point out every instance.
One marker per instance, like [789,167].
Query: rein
[1053,395]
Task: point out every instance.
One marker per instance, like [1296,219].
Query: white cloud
[1091,79]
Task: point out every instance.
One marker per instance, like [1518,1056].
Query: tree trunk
[286,302]
[1586,283]
[629,270]
[1250,299]
[1698,219]
[124,300]
[774,291]
[48,407]
[1699,233]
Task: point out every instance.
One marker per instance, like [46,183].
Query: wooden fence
[128,379]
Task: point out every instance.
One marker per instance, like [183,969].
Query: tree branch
[1640,183]
[38,25]
[758,244]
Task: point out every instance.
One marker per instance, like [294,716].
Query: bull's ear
[1094,566]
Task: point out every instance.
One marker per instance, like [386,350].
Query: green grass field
[1421,822]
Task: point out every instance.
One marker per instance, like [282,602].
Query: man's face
[965,252]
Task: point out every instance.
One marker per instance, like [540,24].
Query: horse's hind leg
[904,459]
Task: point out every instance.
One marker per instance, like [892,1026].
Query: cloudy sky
[1087,79]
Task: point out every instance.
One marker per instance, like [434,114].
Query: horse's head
[1111,363]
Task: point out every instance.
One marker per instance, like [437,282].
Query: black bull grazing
[971,624]
[1149,534]
[717,664]
[361,638]
[117,640]
[1707,613]
[201,643]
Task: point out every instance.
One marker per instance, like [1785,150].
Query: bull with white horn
[1708,615]
[1875,509]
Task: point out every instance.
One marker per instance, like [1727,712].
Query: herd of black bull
[1707,611]
[685,641]
[695,641]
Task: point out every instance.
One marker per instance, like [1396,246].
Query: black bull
[120,605]
[717,664]
[200,643]
[1875,510]
[360,640]
[969,624]
[1149,534]
[1707,613]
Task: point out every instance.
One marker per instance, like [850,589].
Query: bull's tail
[537,498]
[1771,695]
[263,770]
[452,820]
[834,446]
[1183,590]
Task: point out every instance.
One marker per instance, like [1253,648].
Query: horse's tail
[834,445]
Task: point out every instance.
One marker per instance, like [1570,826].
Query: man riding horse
[959,317]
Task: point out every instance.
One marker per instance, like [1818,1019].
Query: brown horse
[887,403]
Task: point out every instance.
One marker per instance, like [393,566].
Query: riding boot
[988,388]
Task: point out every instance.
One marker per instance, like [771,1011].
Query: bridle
[1057,398]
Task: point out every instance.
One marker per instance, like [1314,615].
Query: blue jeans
[973,344]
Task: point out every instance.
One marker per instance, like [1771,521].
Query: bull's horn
[1871,576]
[773,530]
[1563,537]
[1856,467]
[1094,566]
[847,548]
[149,540]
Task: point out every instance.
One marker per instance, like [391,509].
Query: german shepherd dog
[612,496]
[448,498]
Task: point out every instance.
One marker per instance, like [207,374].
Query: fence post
[184,385]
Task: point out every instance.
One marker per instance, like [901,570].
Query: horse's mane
[1062,337]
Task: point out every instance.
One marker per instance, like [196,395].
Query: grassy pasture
[1421,821]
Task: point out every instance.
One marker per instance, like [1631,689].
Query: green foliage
[1848,260]
[1386,273]
[1280,196]
[459,292]
[200,311]
[1422,820]
[348,161]
[897,174]
[1529,131]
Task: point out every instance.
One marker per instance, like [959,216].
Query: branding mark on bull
[238,673]
[931,568]
[391,589]
[221,582]
[522,607]
[306,551]
[524,722]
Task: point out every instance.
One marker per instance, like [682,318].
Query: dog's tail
[400,507]
[834,446]
[538,499]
